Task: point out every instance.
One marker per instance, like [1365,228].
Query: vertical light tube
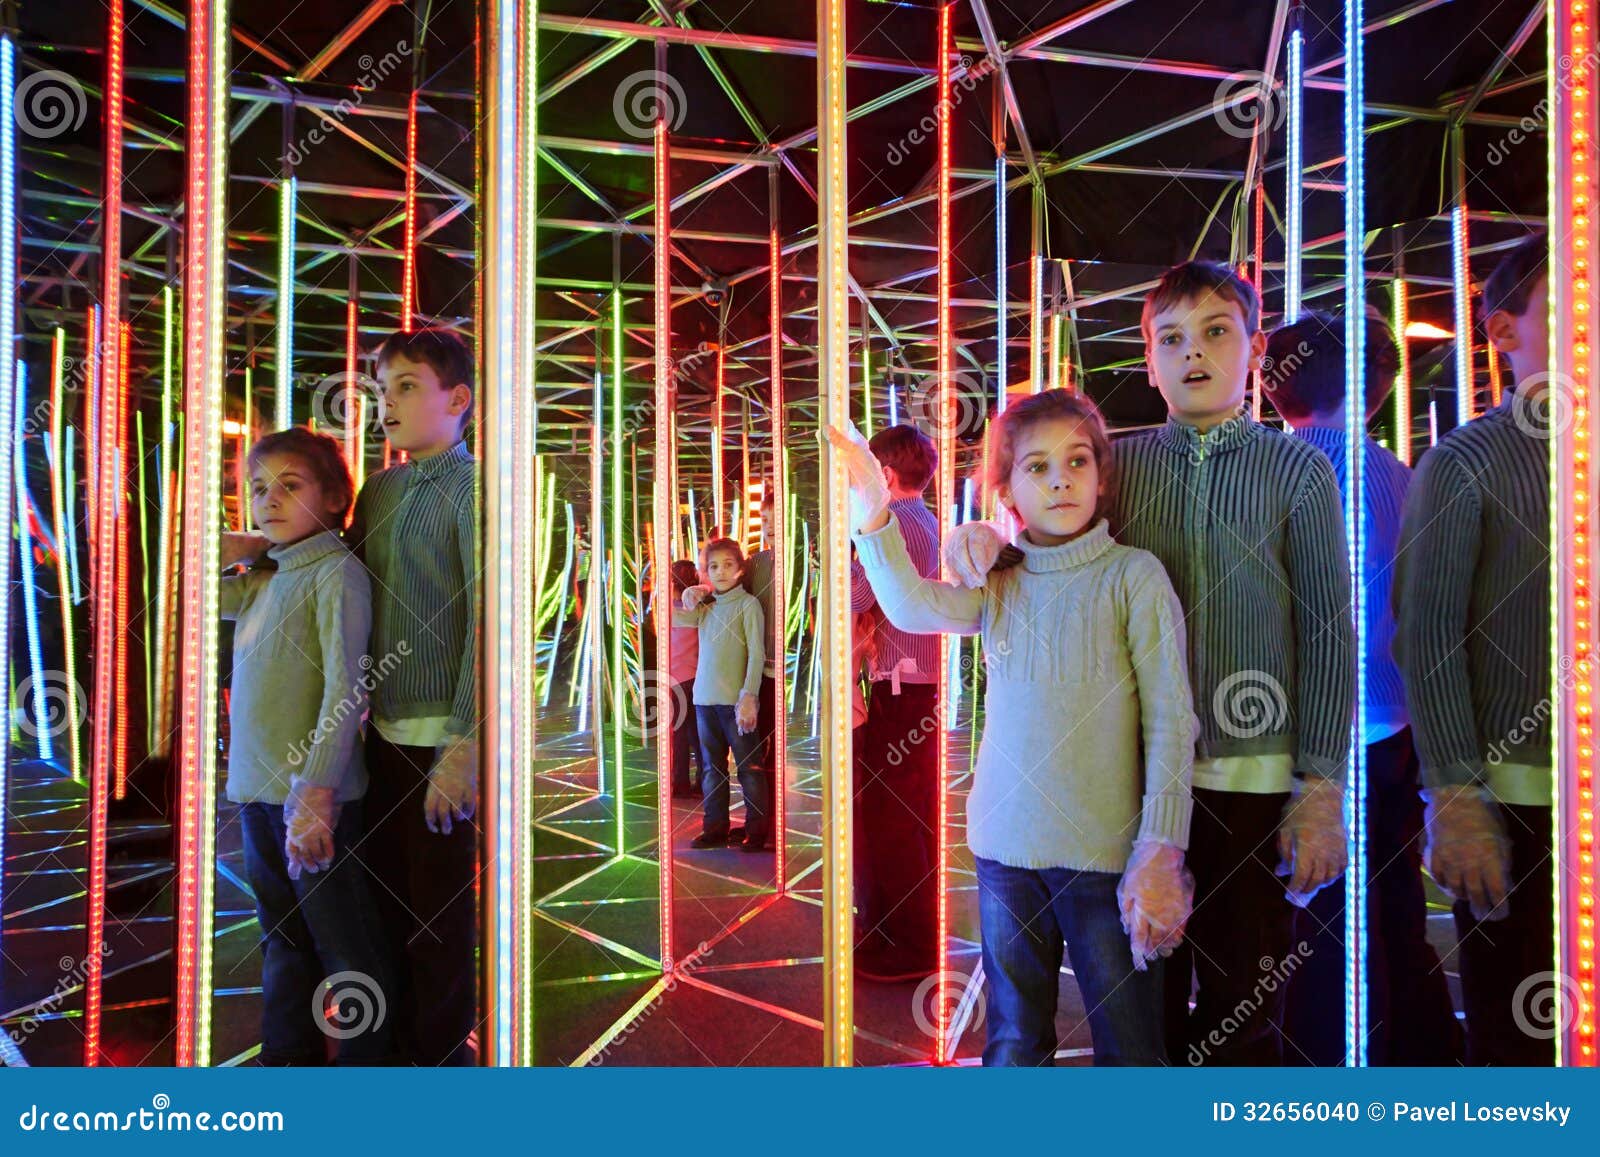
[1355,418]
[719,524]
[833,628]
[1402,377]
[618,556]
[8,367]
[666,507]
[1461,277]
[109,699]
[160,732]
[288,193]
[30,594]
[1573,241]
[1036,322]
[866,369]
[1000,303]
[510,528]
[1259,278]
[408,275]
[1293,172]
[119,750]
[204,318]
[355,411]
[946,510]
[778,537]
[66,582]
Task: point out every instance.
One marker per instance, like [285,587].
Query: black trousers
[426,886]
[1505,1022]
[685,736]
[1239,949]
[1409,1016]
[897,828]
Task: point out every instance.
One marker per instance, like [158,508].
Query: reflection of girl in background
[685,656]
[1080,805]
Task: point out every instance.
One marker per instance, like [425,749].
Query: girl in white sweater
[1079,813]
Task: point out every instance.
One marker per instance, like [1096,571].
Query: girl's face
[288,502]
[723,571]
[1054,486]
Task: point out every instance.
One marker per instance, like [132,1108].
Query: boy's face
[1054,486]
[1199,354]
[1525,340]
[420,416]
[723,571]
[287,501]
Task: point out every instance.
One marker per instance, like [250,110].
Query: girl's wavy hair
[322,455]
[720,546]
[1006,429]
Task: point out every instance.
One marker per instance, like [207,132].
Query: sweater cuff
[872,547]
[319,766]
[1165,819]
[1309,766]
[1459,773]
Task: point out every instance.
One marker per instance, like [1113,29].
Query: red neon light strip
[665,503]
[354,410]
[408,289]
[1260,244]
[946,507]
[119,749]
[780,609]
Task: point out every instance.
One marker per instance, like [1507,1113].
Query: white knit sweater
[1089,728]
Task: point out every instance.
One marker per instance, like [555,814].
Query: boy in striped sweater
[415,527]
[1472,595]
[1247,522]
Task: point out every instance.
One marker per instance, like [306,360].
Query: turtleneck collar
[1237,431]
[306,551]
[1087,547]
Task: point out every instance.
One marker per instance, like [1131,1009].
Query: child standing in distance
[727,678]
[1472,596]
[685,661]
[758,576]
[897,763]
[1247,521]
[1080,805]
[416,529]
[1408,1003]
[294,758]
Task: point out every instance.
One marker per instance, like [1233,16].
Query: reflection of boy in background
[758,574]
[415,527]
[1472,596]
[1408,1003]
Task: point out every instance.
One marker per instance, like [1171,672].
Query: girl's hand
[452,786]
[1156,894]
[310,814]
[971,551]
[694,596]
[744,715]
[237,546]
[869,493]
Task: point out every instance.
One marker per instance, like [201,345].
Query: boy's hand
[237,546]
[1311,840]
[971,552]
[452,786]
[310,814]
[695,595]
[744,715]
[869,493]
[1466,853]
[1155,894]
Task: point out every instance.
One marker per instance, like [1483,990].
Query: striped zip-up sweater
[1247,521]
[416,528]
[1472,597]
[913,658]
[1387,479]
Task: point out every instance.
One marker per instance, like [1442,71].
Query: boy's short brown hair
[1512,282]
[909,453]
[1303,371]
[440,349]
[1196,279]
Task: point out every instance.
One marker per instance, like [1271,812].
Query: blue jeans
[1026,913]
[719,733]
[311,929]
